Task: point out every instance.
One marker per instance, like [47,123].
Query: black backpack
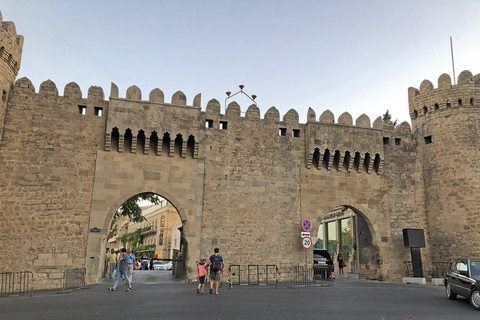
[216,263]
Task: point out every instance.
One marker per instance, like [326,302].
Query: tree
[387,117]
[131,209]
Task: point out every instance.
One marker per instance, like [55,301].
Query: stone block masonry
[239,182]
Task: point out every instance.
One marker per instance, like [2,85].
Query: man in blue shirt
[130,263]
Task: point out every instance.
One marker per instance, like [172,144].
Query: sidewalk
[154,298]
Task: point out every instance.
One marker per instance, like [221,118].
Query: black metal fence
[317,275]
[253,274]
[439,268]
[14,284]
[73,279]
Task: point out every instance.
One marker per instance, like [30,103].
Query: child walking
[201,276]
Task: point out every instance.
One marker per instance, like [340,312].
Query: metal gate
[73,279]
[318,275]
[253,274]
[14,284]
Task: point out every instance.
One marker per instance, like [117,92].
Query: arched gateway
[117,178]
[347,231]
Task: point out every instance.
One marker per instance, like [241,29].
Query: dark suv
[464,279]
[320,256]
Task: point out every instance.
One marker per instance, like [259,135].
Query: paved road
[157,296]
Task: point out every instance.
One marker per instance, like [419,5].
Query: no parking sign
[306,225]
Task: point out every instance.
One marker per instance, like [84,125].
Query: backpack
[216,263]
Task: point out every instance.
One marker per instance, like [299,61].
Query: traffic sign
[305,234]
[306,243]
[306,225]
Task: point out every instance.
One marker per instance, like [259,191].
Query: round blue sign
[307,225]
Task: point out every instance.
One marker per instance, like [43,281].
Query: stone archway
[363,253]
[95,237]
[117,178]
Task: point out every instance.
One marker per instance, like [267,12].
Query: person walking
[201,276]
[131,261]
[123,267]
[105,263]
[112,261]
[217,266]
[341,264]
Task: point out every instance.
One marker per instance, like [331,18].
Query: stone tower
[11,46]
[446,123]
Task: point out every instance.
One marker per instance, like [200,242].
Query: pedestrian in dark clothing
[122,268]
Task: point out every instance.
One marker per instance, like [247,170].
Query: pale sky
[354,56]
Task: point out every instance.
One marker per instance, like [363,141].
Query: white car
[168,266]
[158,265]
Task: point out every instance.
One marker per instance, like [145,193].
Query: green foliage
[135,238]
[131,209]
[387,117]
[143,248]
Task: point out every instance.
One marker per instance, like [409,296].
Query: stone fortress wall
[239,181]
[446,123]
[10,58]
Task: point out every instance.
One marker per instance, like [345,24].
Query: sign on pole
[306,225]
[305,234]
[306,243]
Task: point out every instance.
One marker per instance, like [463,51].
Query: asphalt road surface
[156,295]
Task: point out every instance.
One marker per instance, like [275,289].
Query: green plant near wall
[135,238]
[143,248]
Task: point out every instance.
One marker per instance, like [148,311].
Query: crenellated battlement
[133,125]
[11,46]
[428,100]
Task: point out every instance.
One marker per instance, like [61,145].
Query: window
[282,131]
[166,143]
[326,159]
[191,146]
[415,114]
[366,162]
[461,266]
[398,141]
[223,125]
[4,96]
[437,107]
[471,101]
[346,239]
[320,242]
[98,111]
[346,160]
[428,139]
[449,104]
[296,133]
[332,237]
[208,123]
[425,110]
[376,163]
[153,144]
[316,158]
[82,110]
[386,140]
[356,161]
[459,102]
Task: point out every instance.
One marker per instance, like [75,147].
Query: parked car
[320,256]
[463,279]
[158,265]
[168,266]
